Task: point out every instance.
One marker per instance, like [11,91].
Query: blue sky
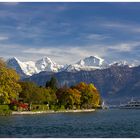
[67,32]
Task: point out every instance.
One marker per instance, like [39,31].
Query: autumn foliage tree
[90,97]
[75,97]
[9,87]
[80,96]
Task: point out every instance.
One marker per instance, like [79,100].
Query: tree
[61,96]
[70,98]
[52,83]
[31,93]
[75,97]
[90,97]
[28,90]
[38,96]
[9,87]
[50,95]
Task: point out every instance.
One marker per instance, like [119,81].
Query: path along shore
[49,111]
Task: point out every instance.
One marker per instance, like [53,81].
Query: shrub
[5,112]
[14,108]
[62,107]
[4,107]
[54,107]
[39,107]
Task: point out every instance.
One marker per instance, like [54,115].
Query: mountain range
[29,68]
[116,81]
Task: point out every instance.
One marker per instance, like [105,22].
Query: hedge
[39,107]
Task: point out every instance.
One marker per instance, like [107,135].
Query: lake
[99,124]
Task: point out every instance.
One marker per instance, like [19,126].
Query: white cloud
[3,38]
[10,3]
[68,54]
[128,27]
[97,37]
[125,47]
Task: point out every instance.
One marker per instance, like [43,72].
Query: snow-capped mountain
[88,63]
[14,63]
[29,68]
[23,68]
[91,61]
[123,63]
[46,64]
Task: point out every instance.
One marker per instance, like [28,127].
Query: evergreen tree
[52,83]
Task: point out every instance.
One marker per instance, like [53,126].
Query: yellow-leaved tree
[90,97]
[9,87]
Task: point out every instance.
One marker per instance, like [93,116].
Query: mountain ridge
[29,68]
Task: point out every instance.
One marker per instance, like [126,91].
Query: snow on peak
[14,58]
[91,61]
[125,63]
[119,63]
[46,64]
[88,63]
[29,68]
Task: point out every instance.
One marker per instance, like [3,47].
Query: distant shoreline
[50,111]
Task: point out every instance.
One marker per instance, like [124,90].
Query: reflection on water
[102,123]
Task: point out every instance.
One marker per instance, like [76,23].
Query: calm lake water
[102,123]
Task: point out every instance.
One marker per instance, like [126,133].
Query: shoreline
[50,111]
